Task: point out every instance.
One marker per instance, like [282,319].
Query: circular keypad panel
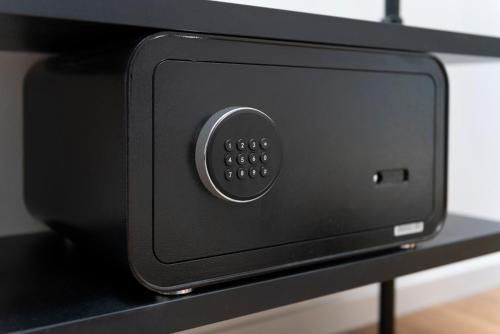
[238,154]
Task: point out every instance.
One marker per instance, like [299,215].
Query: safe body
[110,154]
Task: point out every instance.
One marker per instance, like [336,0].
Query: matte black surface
[54,25]
[43,282]
[76,170]
[387,307]
[32,33]
[338,127]
[342,115]
[392,12]
[351,112]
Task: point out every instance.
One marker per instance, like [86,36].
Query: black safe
[202,159]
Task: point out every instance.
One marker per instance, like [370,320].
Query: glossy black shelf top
[55,25]
[46,286]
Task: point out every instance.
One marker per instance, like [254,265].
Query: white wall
[371,10]
[474,158]
[476,17]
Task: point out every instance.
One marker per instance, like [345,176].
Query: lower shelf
[46,286]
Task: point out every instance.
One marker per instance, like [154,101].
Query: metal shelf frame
[47,286]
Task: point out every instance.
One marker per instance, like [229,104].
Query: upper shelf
[55,25]
[47,286]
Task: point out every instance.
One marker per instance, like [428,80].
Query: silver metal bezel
[201,151]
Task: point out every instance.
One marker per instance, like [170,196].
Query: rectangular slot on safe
[388,176]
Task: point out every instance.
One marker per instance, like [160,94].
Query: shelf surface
[47,286]
[55,25]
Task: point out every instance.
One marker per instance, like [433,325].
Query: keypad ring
[238,154]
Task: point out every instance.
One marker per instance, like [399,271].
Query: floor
[479,314]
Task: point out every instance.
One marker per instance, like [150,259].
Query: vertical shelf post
[386,307]
[392,14]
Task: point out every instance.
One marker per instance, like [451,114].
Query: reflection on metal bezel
[201,152]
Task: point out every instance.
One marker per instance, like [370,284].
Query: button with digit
[228,145]
[264,143]
[264,171]
[229,160]
[229,174]
[242,173]
[252,157]
[252,171]
[242,159]
[264,157]
[252,143]
[241,145]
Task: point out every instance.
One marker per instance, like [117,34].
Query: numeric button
[229,174]
[252,144]
[264,171]
[252,157]
[264,143]
[228,145]
[252,171]
[264,157]
[242,173]
[242,159]
[229,160]
[241,145]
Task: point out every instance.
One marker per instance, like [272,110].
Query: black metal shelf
[46,286]
[54,26]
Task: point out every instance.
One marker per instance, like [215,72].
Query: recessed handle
[388,176]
